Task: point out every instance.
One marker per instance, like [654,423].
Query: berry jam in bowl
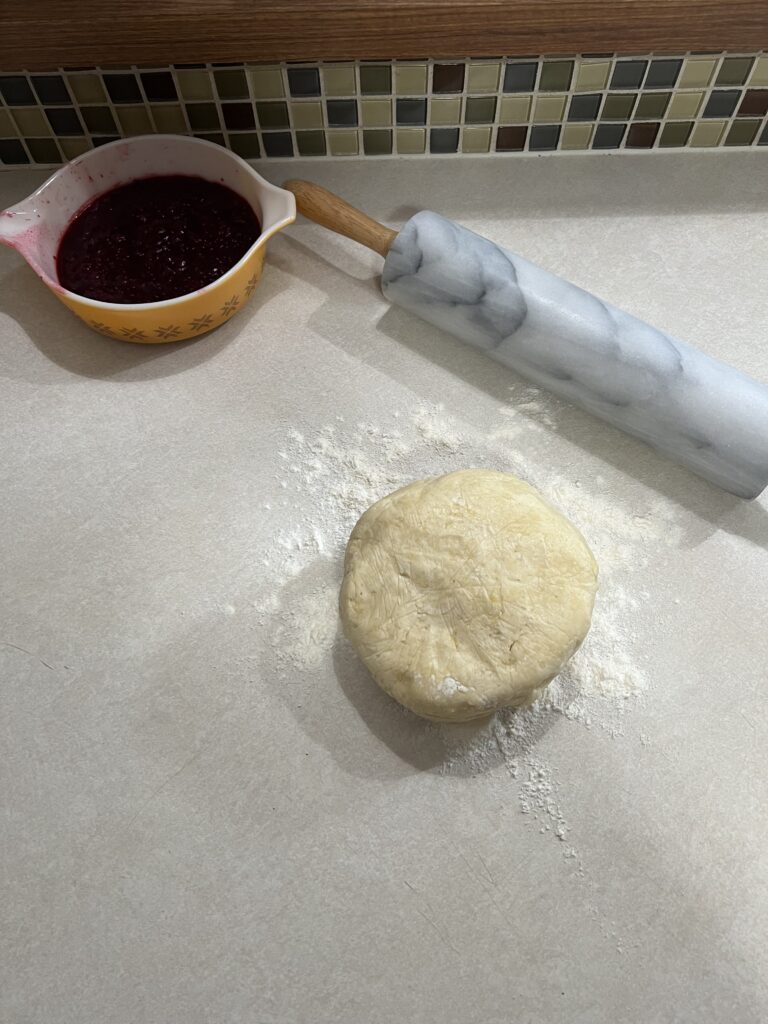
[152,239]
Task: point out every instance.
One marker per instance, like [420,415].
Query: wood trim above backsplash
[55,33]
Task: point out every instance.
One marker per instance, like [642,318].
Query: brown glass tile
[159,86]
[754,104]
[511,138]
[642,135]
[123,88]
[447,78]
[239,115]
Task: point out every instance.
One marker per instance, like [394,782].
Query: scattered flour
[342,469]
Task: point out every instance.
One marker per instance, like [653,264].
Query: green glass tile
[30,121]
[760,72]
[685,105]
[514,109]
[708,133]
[307,114]
[99,120]
[169,118]
[476,140]
[549,108]
[339,80]
[445,110]
[742,133]
[411,140]
[74,146]
[267,83]
[342,143]
[556,76]
[618,106]
[87,88]
[511,138]
[203,117]
[652,105]
[376,112]
[446,78]
[273,115]
[675,133]
[44,151]
[576,136]
[376,79]
[483,78]
[377,141]
[480,109]
[7,127]
[734,71]
[591,77]
[231,85]
[195,85]
[311,143]
[697,73]
[134,120]
[410,79]
[246,145]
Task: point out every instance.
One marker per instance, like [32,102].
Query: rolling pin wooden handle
[323,207]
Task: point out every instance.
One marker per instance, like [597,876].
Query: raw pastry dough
[466,593]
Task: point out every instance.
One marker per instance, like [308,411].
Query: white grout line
[462,96]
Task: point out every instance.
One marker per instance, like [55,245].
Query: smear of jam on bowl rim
[155,239]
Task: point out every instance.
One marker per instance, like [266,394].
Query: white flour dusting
[343,468]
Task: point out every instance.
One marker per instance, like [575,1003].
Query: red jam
[155,239]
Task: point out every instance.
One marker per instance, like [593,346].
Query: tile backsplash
[506,105]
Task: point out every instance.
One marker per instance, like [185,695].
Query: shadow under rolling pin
[701,412]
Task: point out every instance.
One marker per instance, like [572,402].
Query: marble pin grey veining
[703,413]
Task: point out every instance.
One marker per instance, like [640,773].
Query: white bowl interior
[35,225]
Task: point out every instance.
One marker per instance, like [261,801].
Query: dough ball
[466,593]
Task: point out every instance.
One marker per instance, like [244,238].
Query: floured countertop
[211,813]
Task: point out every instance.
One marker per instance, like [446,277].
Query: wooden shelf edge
[54,33]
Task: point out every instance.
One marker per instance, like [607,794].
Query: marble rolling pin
[705,414]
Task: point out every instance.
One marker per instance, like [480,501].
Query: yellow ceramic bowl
[35,226]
